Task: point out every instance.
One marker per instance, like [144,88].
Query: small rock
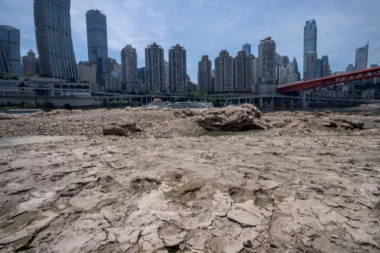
[87,165]
[247,244]
[111,237]
[3,162]
[243,217]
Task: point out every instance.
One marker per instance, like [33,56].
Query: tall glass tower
[247,48]
[361,57]
[53,36]
[10,60]
[309,43]
[97,41]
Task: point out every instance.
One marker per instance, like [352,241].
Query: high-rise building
[205,75]
[54,42]
[97,41]
[254,71]
[326,71]
[30,63]
[177,69]
[167,79]
[141,75]
[294,66]
[267,61]
[284,73]
[247,48]
[223,72]
[294,75]
[242,71]
[129,69]
[361,57]
[154,69]
[318,68]
[309,43]
[350,68]
[278,60]
[115,68]
[285,60]
[10,59]
[310,65]
[87,73]
[111,84]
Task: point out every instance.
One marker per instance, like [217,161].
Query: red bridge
[330,80]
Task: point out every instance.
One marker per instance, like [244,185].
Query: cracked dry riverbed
[310,192]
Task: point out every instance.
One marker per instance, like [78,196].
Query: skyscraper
[294,66]
[10,59]
[141,75]
[293,73]
[284,73]
[242,71]
[115,68]
[205,75]
[254,71]
[285,60]
[278,59]
[350,68]
[318,68]
[247,49]
[325,66]
[154,69]
[177,69]
[309,42]
[30,63]
[223,72]
[167,79]
[53,36]
[310,65]
[97,41]
[361,57]
[267,61]
[129,69]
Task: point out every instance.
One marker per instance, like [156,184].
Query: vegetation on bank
[359,87]
[203,96]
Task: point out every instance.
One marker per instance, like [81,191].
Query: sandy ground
[296,187]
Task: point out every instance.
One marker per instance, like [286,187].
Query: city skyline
[338,35]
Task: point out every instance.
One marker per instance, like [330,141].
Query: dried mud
[301,186]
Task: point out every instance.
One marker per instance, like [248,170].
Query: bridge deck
[330,80]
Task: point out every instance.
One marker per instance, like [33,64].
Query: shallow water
[248,132]
[13,141]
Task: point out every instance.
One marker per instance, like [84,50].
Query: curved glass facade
[53,36]
[309,43]
[10,59]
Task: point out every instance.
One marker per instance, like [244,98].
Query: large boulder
[237,118]
[124,128]
[343,123]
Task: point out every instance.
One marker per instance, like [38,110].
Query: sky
[209,26]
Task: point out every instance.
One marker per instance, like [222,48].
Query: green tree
[29,105]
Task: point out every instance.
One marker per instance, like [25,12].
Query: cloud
[208,26]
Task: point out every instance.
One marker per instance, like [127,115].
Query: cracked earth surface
[311,192]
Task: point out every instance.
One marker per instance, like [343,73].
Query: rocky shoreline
[305,182]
